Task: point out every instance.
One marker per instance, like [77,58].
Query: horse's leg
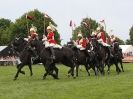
[87,69]
[72,69]
[77,67]
[49,70]
[18,71]
[69,71]
[52,74]
[22,72]
[30,67]
[121,65]
[95,70]
[46,73]
[56,71]
[103,67]
[108,69]
[117,68]
[72,72]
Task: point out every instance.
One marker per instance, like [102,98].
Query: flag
[29,17]
[102,21]
[70,23]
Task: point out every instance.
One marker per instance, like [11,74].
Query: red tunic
[82,42]
[50,37]
[103,37]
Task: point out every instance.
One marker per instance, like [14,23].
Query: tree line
[9,29]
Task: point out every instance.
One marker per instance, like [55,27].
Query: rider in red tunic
[81,42]
[50,36]
[33,34]
[51,41]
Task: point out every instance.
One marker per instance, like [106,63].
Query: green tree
[4,35]
[131,35]
[87,25]
[121,42]
[128,42]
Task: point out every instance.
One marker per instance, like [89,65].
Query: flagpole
[44,23]
[105,25]
[27,24]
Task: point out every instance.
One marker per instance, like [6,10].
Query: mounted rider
[49,41]
[80,42]
[102,40]
[33,33]
[113,40]
[101,36]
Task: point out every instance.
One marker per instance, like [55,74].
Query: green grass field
[111,86]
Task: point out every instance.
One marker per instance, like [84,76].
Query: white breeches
[104,44]
[47,44]
[80,47]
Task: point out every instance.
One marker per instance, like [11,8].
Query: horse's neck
[22,46]
[40,46]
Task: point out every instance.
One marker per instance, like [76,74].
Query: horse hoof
[22,72]
[74,77]
[68,75]
[31,74]
[56,78]
[15,79]
[43,78]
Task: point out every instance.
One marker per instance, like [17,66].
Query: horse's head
[18,43]
[116,46]
[94,41]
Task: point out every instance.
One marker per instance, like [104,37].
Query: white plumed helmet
[93,33]
[49,28]
[80,35]
[98,28]
[32,29]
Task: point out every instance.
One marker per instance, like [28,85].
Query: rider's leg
[52,52]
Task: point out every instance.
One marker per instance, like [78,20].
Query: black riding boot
[52,52]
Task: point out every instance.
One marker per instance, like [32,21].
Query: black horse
[101,53]
[18,46]
[117,58]
[25,58]
[83,57]
[64,56]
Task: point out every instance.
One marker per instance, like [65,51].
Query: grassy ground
[111,86]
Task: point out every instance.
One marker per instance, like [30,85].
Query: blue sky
[116,13]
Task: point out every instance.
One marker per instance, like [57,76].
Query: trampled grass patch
[111,86]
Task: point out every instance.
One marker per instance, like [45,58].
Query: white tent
[2,47]
[127,48]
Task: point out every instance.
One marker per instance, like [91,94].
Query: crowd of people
[8,60]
